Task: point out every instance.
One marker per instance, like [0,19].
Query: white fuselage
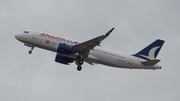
[97,55]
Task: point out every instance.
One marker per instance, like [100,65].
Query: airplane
[90,51]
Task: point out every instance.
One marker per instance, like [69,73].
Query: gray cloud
[37,77]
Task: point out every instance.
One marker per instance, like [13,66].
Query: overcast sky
[137,23]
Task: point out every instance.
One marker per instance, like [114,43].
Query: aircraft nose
[18,37]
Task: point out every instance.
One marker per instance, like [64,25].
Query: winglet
[107,34]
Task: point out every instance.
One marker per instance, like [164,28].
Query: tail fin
[150,52]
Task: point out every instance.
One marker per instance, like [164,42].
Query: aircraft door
[130,61]
[34,35]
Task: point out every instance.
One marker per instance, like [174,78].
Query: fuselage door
[34,35]
[130,60]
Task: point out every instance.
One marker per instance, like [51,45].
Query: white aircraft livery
[69,51]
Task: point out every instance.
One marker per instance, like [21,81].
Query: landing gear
[30,51]
[79,62]
[79,68]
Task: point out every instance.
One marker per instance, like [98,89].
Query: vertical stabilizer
[151,51]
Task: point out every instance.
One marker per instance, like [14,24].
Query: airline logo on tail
[150,52]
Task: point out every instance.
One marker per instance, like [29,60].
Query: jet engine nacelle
[63,59]
[64,49]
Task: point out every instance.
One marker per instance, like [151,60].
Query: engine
[63,59]
[64,49]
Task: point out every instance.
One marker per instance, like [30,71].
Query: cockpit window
[26,32]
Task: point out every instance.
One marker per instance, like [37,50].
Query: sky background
[137,23]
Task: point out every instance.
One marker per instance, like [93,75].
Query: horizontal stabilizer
[150,62]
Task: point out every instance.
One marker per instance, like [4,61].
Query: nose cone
[18,37]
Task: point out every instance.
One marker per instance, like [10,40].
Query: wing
[90,44]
